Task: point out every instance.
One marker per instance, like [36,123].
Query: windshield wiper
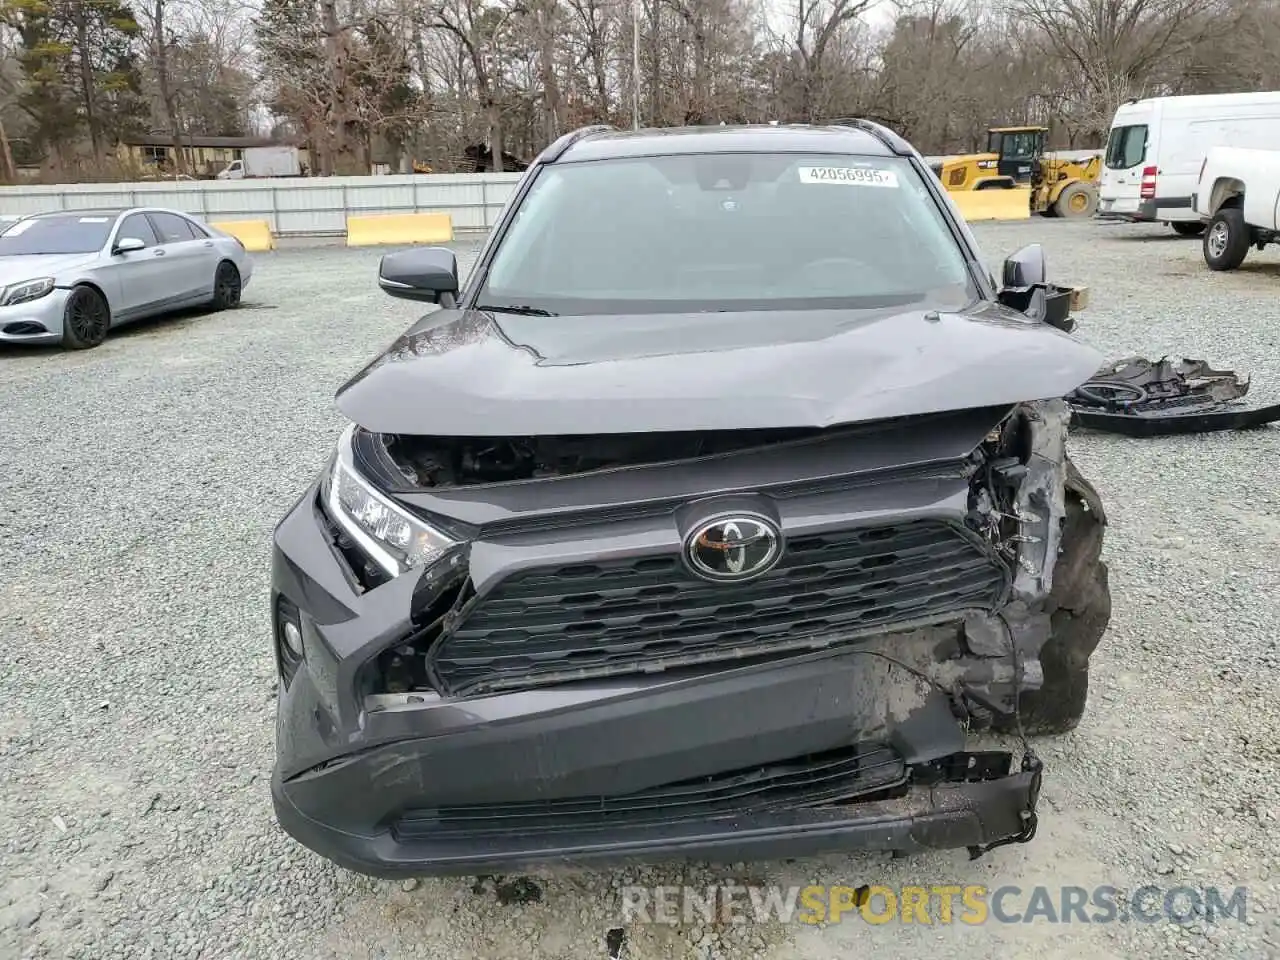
[522,309]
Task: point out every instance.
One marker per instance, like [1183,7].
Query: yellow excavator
[1014,179]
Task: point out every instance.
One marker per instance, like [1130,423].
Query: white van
[1156,146]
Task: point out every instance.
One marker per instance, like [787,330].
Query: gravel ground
[141,483]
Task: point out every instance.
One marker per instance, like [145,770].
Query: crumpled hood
[19,268]
[472,373]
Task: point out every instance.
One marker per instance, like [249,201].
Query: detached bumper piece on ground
[1144,398]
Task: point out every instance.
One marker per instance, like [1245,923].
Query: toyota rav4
[716,515]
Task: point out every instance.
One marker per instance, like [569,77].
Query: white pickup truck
[1239,194]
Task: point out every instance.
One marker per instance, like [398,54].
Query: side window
[171,229]
[137,225]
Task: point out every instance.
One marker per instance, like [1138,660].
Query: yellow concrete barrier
[254,234]
[1012,204]
[399,228]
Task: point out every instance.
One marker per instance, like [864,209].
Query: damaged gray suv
[711,518]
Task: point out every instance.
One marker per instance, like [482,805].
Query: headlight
[26,291]
[395,539]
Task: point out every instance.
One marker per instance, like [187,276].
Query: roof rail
[886,136]
[557,148]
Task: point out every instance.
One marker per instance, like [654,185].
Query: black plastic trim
[895,143]
[975,815]
[557,148]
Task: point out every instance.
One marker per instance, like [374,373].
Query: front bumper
[39,321]
[640,768]
[976,815]
[1127,210]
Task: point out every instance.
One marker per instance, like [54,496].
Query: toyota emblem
[736,547]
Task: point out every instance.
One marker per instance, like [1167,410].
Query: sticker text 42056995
[853,176]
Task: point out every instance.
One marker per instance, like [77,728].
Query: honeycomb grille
[642,614]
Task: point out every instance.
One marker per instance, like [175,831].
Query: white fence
[300,207]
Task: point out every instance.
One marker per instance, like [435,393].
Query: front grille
[831,777]
[553,624]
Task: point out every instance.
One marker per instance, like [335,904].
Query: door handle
[159,253]
[208,243]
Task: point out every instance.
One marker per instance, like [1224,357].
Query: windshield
[41,235]
[1020,146]
[724,232]
[1127,146]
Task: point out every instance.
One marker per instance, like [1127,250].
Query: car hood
[18,268]
[472,373]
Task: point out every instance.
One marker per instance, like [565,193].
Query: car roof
[599,143]
[86,212]
[103,212]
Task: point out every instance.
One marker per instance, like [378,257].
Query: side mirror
[1027,290]
[1025,268]
[428,274]
[128,245]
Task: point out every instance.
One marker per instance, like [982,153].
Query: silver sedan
[70,276]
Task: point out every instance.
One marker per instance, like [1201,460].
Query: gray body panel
[475,374]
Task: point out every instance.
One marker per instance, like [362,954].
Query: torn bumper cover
[1138,397]
[611,781]
[979,815]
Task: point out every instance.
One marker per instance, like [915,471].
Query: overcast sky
[781,14]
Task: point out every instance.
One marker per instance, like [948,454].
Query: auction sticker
[857,176]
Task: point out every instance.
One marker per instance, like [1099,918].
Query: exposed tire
[85,319]
[1188,228]
[1080,609]
[1077,201]
[226,286]
[1226,241]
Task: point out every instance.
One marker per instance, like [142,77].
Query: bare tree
[476,84]
[819,26]
[159,42]
[931,44]
[479,29]
[595,24]
[1121,48]
[10,85]
[10,172]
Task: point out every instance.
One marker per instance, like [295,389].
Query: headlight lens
[26,291]
[395,539]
